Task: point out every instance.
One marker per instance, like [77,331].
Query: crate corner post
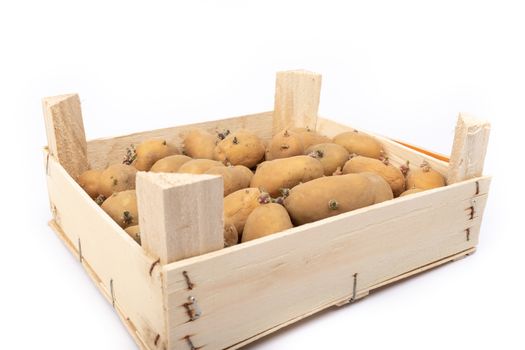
[65,132]
[297,95]
[471,139]
[181,215]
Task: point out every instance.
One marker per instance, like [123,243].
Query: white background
[403,69]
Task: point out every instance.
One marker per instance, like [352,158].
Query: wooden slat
[250,288]
[359,295]
[103,152]
[180,214]
[424,151]
[97,281]
[65,132]
[297,95]
[130,277]
[397,153]
[468,151]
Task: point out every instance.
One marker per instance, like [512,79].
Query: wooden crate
[181,290]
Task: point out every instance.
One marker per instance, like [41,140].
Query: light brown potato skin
[311,201]
[390,173]
[284,144]
[133,232]
[148,152]
[411,191]
[89,180]
[271,176]
[170,164]
[246,173]
[382,190]
[240,148]
[234,177]
[424,178]
[237,206]
[122,208]
[310,137]
[360,144]
[265,220]
[117,178]
[331,156]
[200,144]
[198,166]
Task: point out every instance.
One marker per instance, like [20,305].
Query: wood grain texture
[107,151]
[65,132]
[297,95]
[248,289]
[181,215]
[398,154]
[424,151]
[100,286]
[468,151]
[359,295]
[123,271]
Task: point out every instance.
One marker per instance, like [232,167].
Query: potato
[200,144]
[382,190]
[240,148]
[273,175]
[390,173]
[134,232]
[148,152]
[284,144]
[310,137]
[360,144]
[411,191]
[424,178]
[245,172]
[170,164]
[332,156]
[265,220]
[117,178]
[237,206]
[89,180]
[328,196]
[198,166]
[122,208]
[234,177]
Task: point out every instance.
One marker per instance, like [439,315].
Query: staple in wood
[190,343]
[155,263]
[80,257]
[188,281]
[354,289]
[112,292]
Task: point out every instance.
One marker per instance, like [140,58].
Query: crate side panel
[398,154]
[103,152]
[120,265]
[359,295]
[251,288]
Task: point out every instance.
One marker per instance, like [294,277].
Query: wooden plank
[65,132]
[297,95]
[358,296]
[248,289]
[397,153]
[124,271]
[97,281]
[180,214]
[468,151]
[106,151]
[453,257]
[424,151]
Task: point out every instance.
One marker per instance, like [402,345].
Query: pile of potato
[298,177]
